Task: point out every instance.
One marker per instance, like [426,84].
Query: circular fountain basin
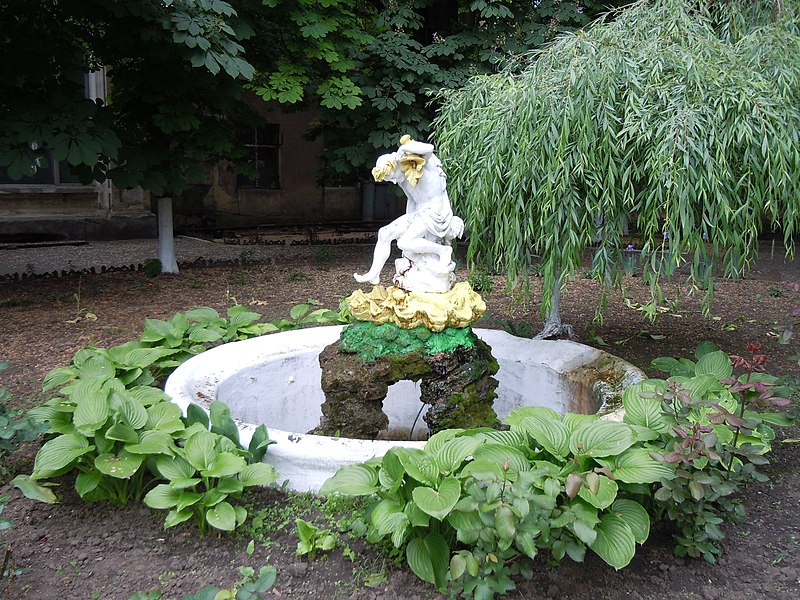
[275,380]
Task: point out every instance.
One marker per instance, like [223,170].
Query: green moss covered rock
[371,341]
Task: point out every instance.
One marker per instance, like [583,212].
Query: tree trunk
[166,240]
[553,327]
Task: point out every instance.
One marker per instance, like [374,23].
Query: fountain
[411,364]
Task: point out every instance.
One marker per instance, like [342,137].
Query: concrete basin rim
[201,369]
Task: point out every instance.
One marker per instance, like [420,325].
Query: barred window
[263,156]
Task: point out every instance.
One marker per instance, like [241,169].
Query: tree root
[555,330]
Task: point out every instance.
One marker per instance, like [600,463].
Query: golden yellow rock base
[459,307]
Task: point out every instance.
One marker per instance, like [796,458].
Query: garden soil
[73,550]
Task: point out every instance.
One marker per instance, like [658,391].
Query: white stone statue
[424,234]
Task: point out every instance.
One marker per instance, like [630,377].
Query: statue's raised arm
[425,232]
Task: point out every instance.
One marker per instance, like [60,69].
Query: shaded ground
[75,550]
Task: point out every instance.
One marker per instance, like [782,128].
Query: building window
[94,86]
[263,156]
[55,173]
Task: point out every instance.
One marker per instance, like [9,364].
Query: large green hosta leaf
[418,465]
[164,416]
[484,470]
[86,483]
[97,368]
[195,414]
[635,465]
[439,439]
[615,542]
[34,490]
[122,432]
[91,412]
[200,450]
[389,517]
[508,458]
[516,416]
[258,474]
[170,332]
[58,377]
[132,410]
[59,453]
[514,437]
[574,421]
[153,442]
[429,558]
[352,480]
[601,438]
[222,422]
[701,386]
[717,364]
[258,443]
[148,395]
[451,454]
[222,516]
[120,466]
[635,517]
[549,433]
[163,496]
[224,464]
[645,412]
[205,315]
[439,502]
[391,472]
[676,368]
[202,335]
[175,517]
[144,357]
[187,499]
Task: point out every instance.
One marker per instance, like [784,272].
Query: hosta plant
[206,469]
[111,425]
[473,505]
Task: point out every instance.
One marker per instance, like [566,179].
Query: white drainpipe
[97,89]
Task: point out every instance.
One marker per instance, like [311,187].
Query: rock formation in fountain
[455,369]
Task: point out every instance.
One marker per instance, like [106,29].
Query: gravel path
[17,261]
[65,257]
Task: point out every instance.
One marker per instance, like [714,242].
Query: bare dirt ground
[95,551]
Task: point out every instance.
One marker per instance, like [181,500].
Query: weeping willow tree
[680,117]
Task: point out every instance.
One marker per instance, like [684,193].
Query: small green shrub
[715,427]
[15,429]
[323,256]
[253,586]
[304,314]
[152,267]
[8,570]
[207,468]
[311,539]
[481,282]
